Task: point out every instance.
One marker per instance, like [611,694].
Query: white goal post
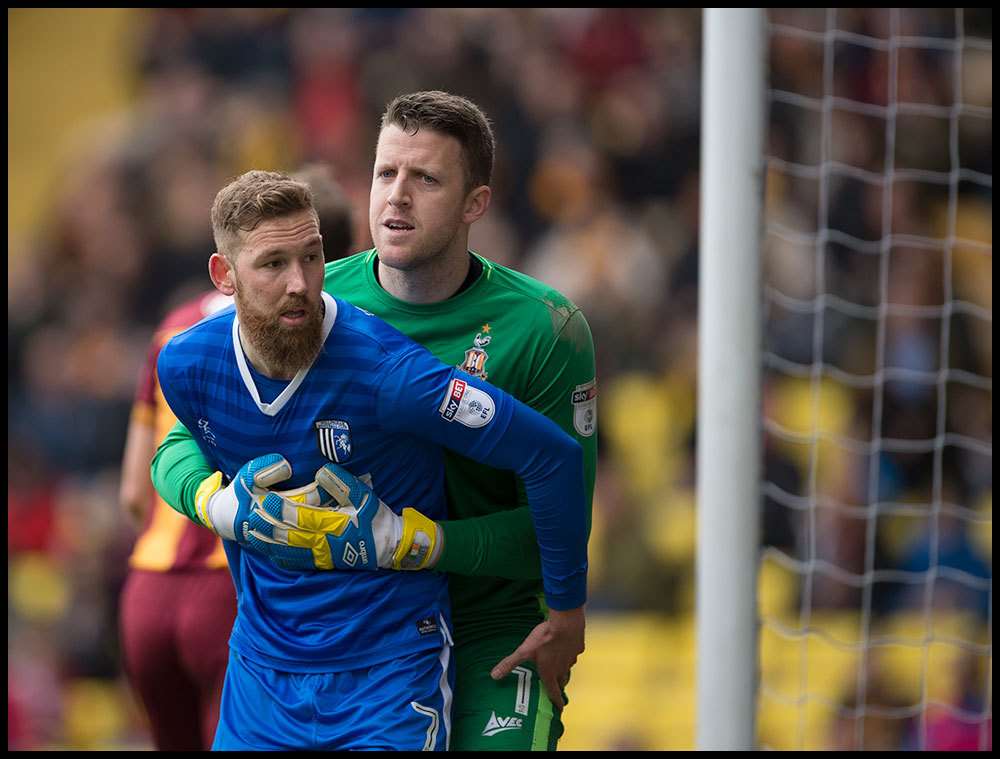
[728,448]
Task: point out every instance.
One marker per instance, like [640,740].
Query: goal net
[875,585]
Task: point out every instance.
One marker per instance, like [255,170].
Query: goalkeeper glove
[360,533]
[226,510]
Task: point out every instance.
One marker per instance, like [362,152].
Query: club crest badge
[334,438]
[475,357]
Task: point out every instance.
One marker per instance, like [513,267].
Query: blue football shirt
[380,405]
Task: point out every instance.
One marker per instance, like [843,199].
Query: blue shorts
[403,704]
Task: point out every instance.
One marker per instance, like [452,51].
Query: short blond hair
[250,199]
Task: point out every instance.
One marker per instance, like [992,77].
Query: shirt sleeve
[502,544]
[565,390]
[421,396]
[175,471]
[178,469]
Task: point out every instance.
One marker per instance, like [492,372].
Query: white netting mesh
[876,580]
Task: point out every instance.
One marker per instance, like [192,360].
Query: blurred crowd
[596,113]
[898,316]
[878,334]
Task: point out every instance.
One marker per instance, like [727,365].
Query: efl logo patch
[466,405]
[334,438]
[584,401]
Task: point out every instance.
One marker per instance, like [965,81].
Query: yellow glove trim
[418,545]
[208,487]
[315,542]
[317,520]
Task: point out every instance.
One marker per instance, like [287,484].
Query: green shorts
[514,714]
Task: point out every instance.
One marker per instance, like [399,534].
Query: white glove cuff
[221,510]
[387,528]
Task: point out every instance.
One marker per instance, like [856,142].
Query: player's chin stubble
[283,349]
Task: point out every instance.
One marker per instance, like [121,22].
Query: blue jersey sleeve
[422,397]
[171,382]
[175,385]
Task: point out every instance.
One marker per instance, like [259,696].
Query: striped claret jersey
[168,541]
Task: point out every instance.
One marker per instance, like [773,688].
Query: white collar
[270,409]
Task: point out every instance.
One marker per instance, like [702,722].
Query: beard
[284,350]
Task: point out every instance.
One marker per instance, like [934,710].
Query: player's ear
[476,203]
[221,271]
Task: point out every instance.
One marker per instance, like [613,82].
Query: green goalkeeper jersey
[522,336]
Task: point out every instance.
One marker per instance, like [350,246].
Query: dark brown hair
[452,115]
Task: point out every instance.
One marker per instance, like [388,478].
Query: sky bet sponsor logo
[584,399]
[467,405]
[454,398]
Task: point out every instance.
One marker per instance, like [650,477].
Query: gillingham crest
[334,437]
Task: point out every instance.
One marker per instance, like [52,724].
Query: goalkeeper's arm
[184,479]
[476,546]
[179,468]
